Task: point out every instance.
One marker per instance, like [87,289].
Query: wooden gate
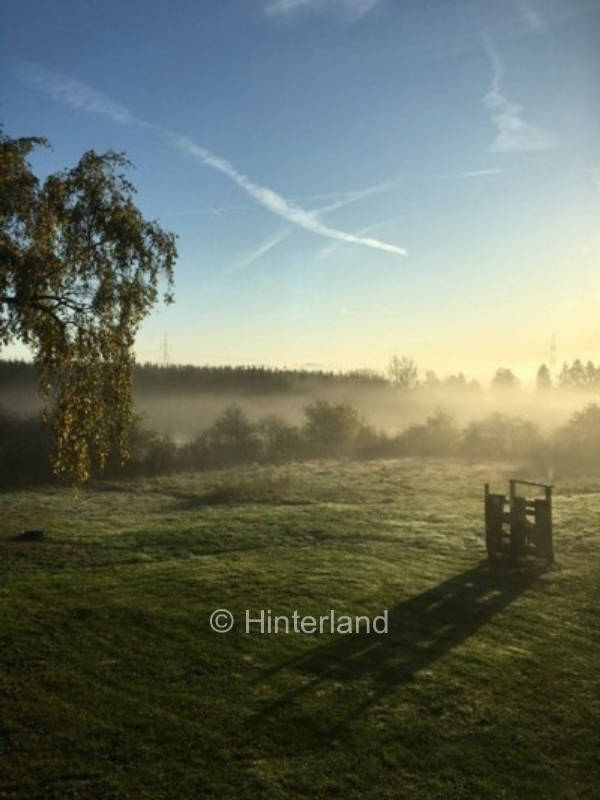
[524,528]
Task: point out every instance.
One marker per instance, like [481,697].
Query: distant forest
[402,373]
[189,379]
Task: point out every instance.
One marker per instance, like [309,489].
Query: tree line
[402,375]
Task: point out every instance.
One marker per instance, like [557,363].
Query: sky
[348,179]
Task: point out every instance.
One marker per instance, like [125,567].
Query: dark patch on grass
[28,536]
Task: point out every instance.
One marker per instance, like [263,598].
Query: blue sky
[348,178]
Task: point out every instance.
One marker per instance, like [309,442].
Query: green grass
[112,684]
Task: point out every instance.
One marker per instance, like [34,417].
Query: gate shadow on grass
[370,666]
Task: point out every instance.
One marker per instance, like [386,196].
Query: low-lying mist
[183,416]
[201,418]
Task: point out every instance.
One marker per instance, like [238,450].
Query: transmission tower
[553,353]
[165,351]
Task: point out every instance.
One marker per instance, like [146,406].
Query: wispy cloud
[479,173]
[351,9]
[77,94]
[532,18]
[220,212]
[282,7]
[473,173]
[514,134]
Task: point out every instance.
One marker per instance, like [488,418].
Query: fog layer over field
[206,418]
[180,402]
[183,416]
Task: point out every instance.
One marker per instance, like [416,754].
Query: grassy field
[113,685]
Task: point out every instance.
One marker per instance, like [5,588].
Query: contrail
[277,204]
[250,258]
[332,248]
[343,199]
[77,94]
